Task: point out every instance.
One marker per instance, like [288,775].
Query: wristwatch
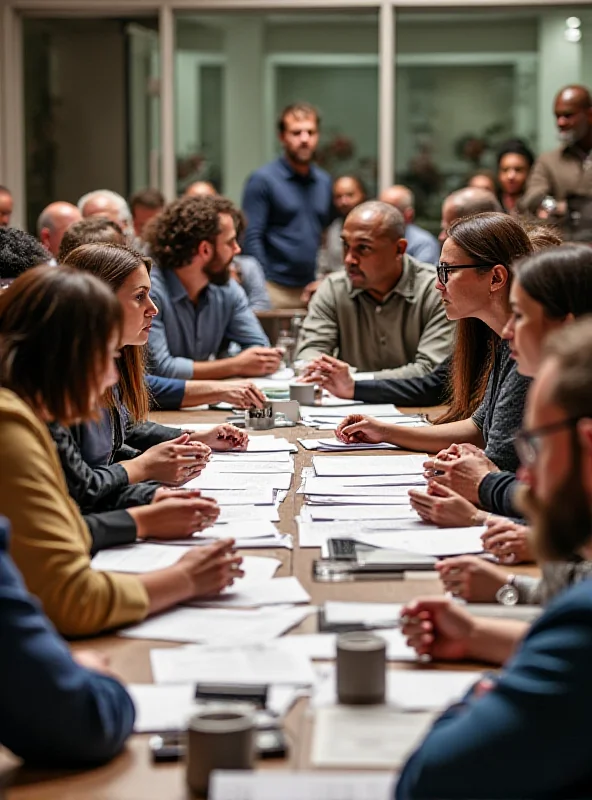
[508,594]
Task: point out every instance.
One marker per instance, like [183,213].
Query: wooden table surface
[132,776]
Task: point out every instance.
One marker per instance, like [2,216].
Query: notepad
[264,662]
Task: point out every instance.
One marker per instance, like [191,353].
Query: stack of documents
[328,415]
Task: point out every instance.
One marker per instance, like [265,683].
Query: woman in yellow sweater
[59,330]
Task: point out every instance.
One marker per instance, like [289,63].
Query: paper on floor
[328,466]
[366,736]
[272,785]
[264,662]
[264,593]
[217,626]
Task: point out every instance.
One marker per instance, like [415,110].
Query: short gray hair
[392,222]
[124,213]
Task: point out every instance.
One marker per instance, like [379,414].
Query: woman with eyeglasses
[474,278]
[550,290]
[59,336]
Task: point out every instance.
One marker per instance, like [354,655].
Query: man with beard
[200,310]
[565,172]
[288,205]
[525,734]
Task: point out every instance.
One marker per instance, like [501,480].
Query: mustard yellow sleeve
[50,542]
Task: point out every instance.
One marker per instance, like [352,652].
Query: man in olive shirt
[383,314]
[567,170]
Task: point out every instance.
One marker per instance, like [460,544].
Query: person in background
[474,279]
[92,230]
[500,740]
[348,192]
[200,189]
[514,162]
[248,272]
[566,170]
[18,252]
[6,206]
[50,318]
[463,202]
[53,222]
[105,203]
[144,205]
[56,710]
[200,309]
[420,243]
[427,390]
[166,394]
[483,179]
[382,314]
[287,204]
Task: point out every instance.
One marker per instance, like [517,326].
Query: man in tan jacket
[383,313]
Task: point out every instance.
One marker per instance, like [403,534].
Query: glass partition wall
[133,96]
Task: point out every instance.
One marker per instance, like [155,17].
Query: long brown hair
[114,264]
[489,238]
[55,329]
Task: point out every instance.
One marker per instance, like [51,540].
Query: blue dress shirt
[166,394]
[530,735]
[183,332]
[422,245]
[286,215]
[53,712]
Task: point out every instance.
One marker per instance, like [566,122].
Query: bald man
[6,206]
[108,204]
[420,243]
[53,222]
[382,314]
[463,202]
[565,171]
[200,189]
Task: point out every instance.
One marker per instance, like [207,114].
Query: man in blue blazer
[527,732]
[53,711]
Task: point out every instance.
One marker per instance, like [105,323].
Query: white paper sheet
[409,690]
[356,500]
[263,496]
[251,481]
[200,427]
[264,593]
[332,444]
[238,513]
[437,542]
[333,466]
[367,409]
[217,626]
[345,486]
[360,512]
[315,534]
[398,482]
[264,443]
[279,456]
[248,467]
[323,646]
[276,784]
[368,614]
[265,662]
[138,558]
[373,737]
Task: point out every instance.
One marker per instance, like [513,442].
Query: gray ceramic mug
[304,393]
[361,668]
[218,739]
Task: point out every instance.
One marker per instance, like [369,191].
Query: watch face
[507,595]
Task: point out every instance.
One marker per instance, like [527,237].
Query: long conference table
[132,775]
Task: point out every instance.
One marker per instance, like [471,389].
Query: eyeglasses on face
[442,270]
[528,443]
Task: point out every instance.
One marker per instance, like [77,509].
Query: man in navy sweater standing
[288,205]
